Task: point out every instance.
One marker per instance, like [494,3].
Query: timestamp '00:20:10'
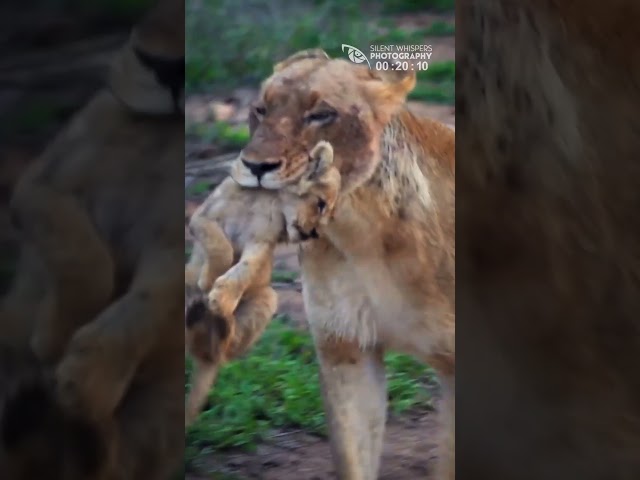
[383,65]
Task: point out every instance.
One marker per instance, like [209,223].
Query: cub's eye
[261,111]
[323,117]
[321,205]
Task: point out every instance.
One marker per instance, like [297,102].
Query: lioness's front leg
[103,356]
[352,379]
[355,396]
[78,264]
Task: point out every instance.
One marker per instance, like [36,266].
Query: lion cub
[245,225]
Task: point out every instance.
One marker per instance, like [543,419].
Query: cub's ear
[301,55]
[322,158]
[389,90]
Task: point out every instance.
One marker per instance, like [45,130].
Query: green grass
[231,42]
[412,6]
[284,276]
[199,188]
[221,133]
[276,387]
[398,36]
[439,71]
[444,92]
[436,84]
[440,29]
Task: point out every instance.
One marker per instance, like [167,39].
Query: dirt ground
[408,454]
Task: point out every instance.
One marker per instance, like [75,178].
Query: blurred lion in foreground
[91,338]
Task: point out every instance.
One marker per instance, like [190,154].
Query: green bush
[232,42]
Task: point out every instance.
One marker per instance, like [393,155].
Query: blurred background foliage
[236,42]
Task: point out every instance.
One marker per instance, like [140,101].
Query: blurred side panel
[548,141]
[91,240]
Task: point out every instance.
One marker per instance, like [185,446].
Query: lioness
[381,275]
[236,231]
[111,174]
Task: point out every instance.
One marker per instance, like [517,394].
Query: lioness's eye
[321,205]
[262,111]
[323,117]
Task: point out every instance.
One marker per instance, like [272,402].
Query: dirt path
[409,452]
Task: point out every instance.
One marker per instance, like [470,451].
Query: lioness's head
[309,98]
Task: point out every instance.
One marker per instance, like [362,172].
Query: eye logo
[355,55]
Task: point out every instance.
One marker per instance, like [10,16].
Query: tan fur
[102,193]
[549,139]
[381,275]
[50,223]
[236,231]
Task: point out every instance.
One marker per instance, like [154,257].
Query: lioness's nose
[259,169]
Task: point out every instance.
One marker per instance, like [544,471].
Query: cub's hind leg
[213,340]
[253,314]
[214,253]
[206,334]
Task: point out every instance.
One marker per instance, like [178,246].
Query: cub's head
[147,75]
[311,201]
[309,98]
[318,165]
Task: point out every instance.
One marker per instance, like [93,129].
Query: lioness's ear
[301,55]
[389,90]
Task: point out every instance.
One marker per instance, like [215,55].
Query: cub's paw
[208,334]
[223,298]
